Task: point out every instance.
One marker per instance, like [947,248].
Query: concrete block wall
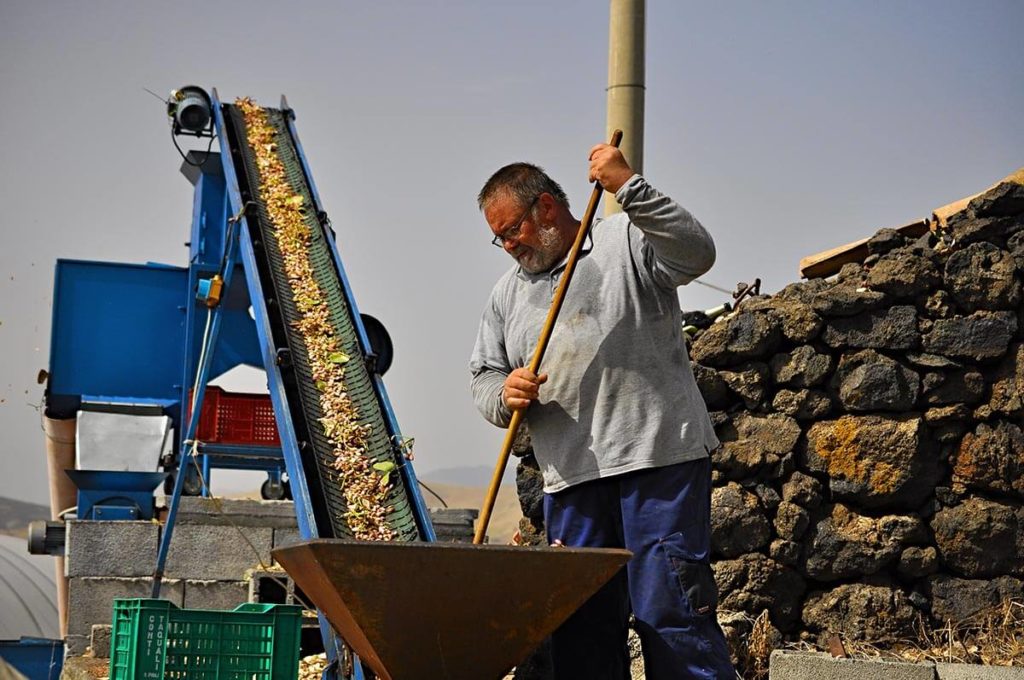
[454,525]
[91,602]
[793,665]
[215,546]
[219,550]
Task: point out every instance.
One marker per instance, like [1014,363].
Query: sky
[787,128]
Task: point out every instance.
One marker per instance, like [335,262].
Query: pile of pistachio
[364,487]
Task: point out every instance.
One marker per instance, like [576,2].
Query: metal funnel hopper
[445,610]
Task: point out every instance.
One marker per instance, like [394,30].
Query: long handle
[538,354]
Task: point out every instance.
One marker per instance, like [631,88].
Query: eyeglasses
[513,232]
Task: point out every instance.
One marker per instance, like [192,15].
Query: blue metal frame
[420,511]
[275,384]
[189,432]
[137,316]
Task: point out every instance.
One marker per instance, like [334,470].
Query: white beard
[537,260]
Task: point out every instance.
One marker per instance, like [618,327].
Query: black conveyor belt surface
[324,486]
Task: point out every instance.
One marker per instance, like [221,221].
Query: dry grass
[752,651]
[992,637]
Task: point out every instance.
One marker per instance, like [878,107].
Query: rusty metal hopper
[445,610]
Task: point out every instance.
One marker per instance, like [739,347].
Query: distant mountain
[15,515]
[505,515]
[469,475]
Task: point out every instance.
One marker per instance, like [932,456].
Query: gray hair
[523,182]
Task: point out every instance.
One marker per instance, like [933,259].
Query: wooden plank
[831,261]
[940,216]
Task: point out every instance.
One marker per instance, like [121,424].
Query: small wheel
[271,491]
[192,486]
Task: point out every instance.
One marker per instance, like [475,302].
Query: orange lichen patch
[841,450]
[965,466]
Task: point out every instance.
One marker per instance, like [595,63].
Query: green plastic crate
[154,640]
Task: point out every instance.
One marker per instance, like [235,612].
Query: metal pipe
[626,57]
[60,456]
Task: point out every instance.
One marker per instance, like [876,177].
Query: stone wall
[872,459]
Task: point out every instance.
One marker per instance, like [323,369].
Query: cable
[713,287]
[432,492]
[182,153]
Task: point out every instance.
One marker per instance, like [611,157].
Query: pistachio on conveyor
[365,494]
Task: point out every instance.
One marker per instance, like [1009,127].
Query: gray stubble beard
[544,258]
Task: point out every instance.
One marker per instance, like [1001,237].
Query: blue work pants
[663,516]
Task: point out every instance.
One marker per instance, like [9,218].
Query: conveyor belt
[316,450]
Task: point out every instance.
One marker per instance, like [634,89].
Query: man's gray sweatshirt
[621,395]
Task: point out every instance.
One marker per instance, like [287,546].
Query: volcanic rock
[784,552]
[803,367]
[902,273]
[981,336]
[957,387]
[755,446]
[1003,200]
[522,444]
[712,387]
[894,328]
[753,583]
[916,562]
[1015,244]
[874,461]
[804,291]
[925,360]
[991,459]
[945,415]
[800,323]
[860,612]
[981,276]
[791,521]
[1008,384]
[748,381]
[746,335]
[530,487]
[843,544]
[884,241]
[937,305]
[981,538]
[956,599]
[803,490]
[768,496]
[738,521]
[802,404]
[846,299]
[869,381]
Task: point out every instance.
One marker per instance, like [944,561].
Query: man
[618,427]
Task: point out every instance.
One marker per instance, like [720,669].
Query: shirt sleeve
[675,248]
[489,365]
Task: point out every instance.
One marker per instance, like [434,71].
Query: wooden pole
[538,354]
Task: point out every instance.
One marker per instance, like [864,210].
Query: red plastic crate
[236,418]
